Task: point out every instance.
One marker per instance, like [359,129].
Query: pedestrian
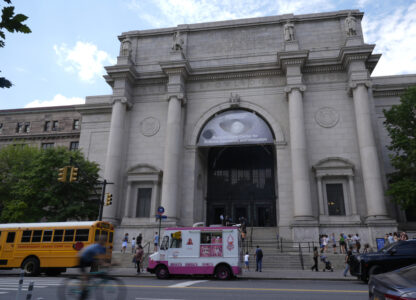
[227,220]
[342,245]
[390,238]
[156,241]
[325,241]
[133,245]
[367,248]
[139,239]
[395,237]
[139,258]
[222,219]
[246,261]
[315,259]
[125,240]
[259,258]
[347,262]
[403,236]
[334,243]
[357,241]
[350,242]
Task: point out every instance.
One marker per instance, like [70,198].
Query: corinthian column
[300,167]
[114,156]
[368,151]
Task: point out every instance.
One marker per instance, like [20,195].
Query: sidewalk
[267,274]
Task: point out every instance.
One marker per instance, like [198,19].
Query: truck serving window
[211,244]
[176,241]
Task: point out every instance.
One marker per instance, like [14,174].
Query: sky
[62,61]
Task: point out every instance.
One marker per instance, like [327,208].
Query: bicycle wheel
[71,288]
[111,288]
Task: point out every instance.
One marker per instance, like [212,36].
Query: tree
[401,126]
[30,191]
[12,23]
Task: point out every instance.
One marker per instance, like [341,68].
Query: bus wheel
[31,266]
[223,272]
[162,272]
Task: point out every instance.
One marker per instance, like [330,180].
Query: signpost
[160,216]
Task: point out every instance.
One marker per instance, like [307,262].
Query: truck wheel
[162,272]
[223,272]
[31,266]
[374,270]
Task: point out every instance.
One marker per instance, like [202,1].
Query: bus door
[8,246]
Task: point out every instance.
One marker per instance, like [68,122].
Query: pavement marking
[243,289]
[156,299]
[186,283]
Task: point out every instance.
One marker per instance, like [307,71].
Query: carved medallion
[149,126]
[327,117]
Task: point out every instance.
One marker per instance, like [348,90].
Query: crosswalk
[11,284]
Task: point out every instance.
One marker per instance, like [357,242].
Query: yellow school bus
[49,247]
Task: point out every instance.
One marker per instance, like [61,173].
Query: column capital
[179,96]
[122,100]
[353,84]
[300,87]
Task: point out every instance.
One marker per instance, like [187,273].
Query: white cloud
[58,100]
[84,58]
[394,34]
[174,12]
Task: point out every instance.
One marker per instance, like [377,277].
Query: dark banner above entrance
[235,127]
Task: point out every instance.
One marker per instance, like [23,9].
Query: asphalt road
[46,288]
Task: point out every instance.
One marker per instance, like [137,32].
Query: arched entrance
[240,168]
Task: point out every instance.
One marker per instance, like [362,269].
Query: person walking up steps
[124,243]
[259,258]
[246,261]
[315,259]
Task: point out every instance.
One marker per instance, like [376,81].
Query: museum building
[275,119]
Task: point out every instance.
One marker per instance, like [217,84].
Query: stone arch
[273,124]
[143,168]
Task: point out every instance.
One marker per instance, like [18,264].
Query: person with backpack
[347,261]
[259,258]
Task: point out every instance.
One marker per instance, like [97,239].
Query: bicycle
[100,284]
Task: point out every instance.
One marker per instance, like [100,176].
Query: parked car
[394,256]
[398,285]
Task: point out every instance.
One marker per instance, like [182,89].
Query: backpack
[259,253]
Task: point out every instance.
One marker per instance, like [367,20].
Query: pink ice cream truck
[198,250]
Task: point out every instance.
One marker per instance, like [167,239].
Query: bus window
[37,235]
[59,233]
[47,236]
[110,238]
[97,235]
[82,235]
[10,237]
[26,236]
[104,233]
[69,235]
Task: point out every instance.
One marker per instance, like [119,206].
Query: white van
[198,250]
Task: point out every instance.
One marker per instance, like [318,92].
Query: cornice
[120,72]
[101,108]
[288,58]
[356,53]
[41,136]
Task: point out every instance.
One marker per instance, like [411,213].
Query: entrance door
[8,239]
[241,183]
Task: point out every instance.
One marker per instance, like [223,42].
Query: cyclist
[91,255]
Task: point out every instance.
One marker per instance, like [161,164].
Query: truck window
[211,244]
[176,241]
[10,237]
[26,236]
[37,235]
[165,243]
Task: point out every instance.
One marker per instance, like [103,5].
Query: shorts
[155,244]
[246,263]
[84,264]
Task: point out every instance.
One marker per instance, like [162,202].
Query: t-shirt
[133,243]
[246,257]
[156,239]
[89,253]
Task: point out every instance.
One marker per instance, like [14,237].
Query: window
[47,126]
[55,125]
[19,127]
[10,237]
[104,233]
[57,237]
[37,235]
[26,128]
[176,241]
[211,244]
[110,237]
[165,243]
[69,235]
[335,199]
[75,125]
[143,202]
[97,235]
[1,127]
[26,236]
[47,236]
[47,145]
[82,235]
[73,146]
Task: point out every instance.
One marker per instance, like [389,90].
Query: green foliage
[12,23]
[401,126]
[30,192]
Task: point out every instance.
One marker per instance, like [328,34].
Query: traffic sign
[160,210]
[161,217]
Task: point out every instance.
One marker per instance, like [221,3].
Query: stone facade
[42,127]
[307,76]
